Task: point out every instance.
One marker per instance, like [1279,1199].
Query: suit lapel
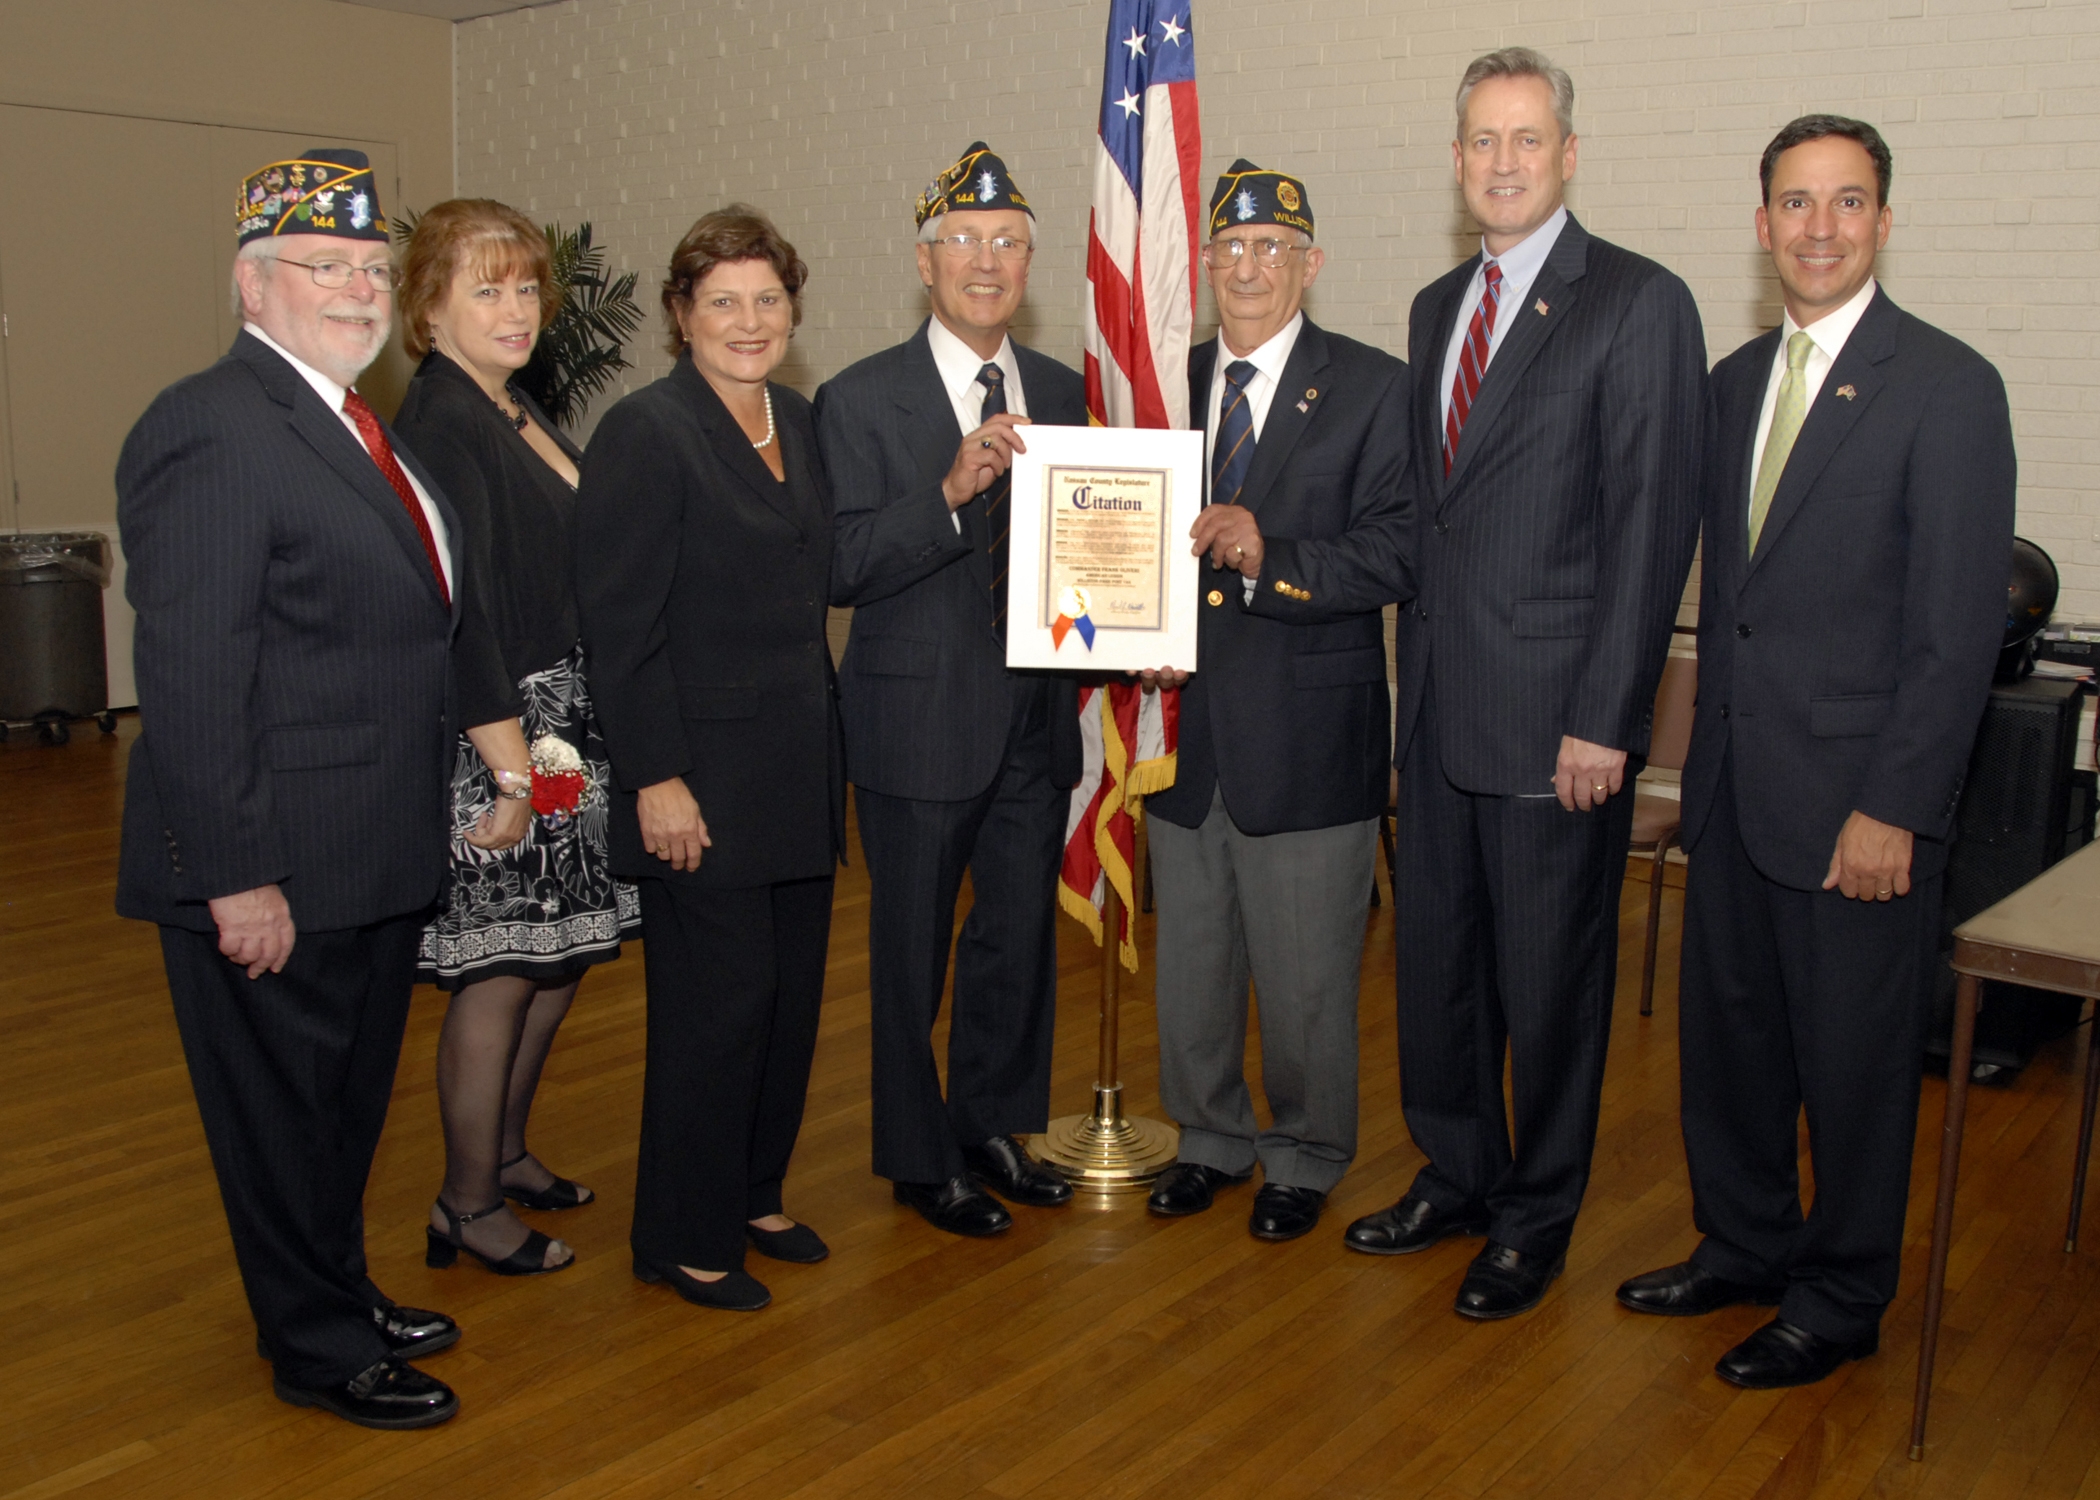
[726,438]
[1830,419]
[924,403]
[1429,365]
[1291,408]
[1738,396]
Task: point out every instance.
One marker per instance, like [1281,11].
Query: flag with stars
[1140,313]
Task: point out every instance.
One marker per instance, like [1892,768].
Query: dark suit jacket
[700,582]
[1846,665]
[517,594]
[1289,708]
[927,698]
[1550,563]
[292,656]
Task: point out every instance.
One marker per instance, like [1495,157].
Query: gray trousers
[1286,910]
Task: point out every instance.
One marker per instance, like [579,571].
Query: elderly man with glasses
[1262,849]
[957,764]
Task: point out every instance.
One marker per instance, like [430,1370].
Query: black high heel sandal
[529,1259]
[557,1195]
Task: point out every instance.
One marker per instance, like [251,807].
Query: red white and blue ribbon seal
[1072,614]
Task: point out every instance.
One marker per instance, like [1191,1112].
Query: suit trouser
[736,985]
[1287,910]
[1794,999]
[1506,922]
[293,1073]
[1010,839]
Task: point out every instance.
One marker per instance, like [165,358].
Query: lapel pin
[1847,392]
[1311,391]
[1542,307]
[1303,407]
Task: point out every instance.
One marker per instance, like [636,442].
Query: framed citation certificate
[1099,572]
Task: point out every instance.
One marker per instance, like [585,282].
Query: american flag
[1141,309]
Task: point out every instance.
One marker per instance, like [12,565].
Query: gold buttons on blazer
[1291,593]
[1216,597]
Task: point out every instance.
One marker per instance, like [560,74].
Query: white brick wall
[831,114]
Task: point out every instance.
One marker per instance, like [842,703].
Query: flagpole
[1107,1151]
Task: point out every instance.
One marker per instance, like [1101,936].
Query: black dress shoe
[1779,1354]
[797,1244]
[1502,1283]
[389,1395]
[1004,1165]
[1690,1291]
[1414,1223]
[739,1291]
[410,1332]
[1284,1213]
[955,1206]
[1187,1187]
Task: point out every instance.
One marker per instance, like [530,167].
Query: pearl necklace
[762,447]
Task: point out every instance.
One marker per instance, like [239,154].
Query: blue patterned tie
[996,522]
[1233,452]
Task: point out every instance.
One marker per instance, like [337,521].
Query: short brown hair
[1819,127]
[732,233]
[478,235]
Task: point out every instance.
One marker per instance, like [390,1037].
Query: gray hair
[1521,62]
[254,250]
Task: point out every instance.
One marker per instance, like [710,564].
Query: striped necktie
[1787,414]
[383,455]
[1232,455]
[996,521]
[1472,363]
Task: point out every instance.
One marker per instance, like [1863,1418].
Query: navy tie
[993,379]
[1232,455]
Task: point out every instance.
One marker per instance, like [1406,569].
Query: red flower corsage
[559,780]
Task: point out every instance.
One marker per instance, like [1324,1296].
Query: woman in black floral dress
[530,901]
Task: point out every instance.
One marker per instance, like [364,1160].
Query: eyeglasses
[1223,255]
[964,246]
[340,273]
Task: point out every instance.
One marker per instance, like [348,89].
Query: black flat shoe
[1188,1187]
[442,1248]
[389,1395]
[1779,1354]
[955,1206]
[554,1197]
[1412,1224]
[797,1244]
[1689,1291]
[1502,1283]
[1004,1165]
[1284,1213]
[736,1292]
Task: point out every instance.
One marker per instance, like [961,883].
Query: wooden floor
[1091,1351]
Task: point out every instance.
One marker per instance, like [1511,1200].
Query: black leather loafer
[1502,1283]
[955,1206]
[1779,1354]
[389,1395]
[1004,1165]
[1412,1224]
[1284,1213]
[739,1291]
[797,1244]
[1187,1187]
[414,1331]
[1690,1291]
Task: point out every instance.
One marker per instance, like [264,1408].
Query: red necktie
[1472,363]
[383,455]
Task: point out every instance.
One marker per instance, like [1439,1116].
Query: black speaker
[2023,808]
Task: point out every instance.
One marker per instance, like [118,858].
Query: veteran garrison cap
[322,190]
[1248,194]
[978,180]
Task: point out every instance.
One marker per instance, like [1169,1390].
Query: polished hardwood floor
[1091,1351]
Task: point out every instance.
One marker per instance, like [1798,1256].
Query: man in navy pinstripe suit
[285,814]
[1558,406]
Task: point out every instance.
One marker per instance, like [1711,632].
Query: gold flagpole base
[1106,1152]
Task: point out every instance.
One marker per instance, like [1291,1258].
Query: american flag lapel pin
[1310,393]
[1543,309]
[1847,392]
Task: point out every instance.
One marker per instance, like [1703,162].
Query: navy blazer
[700,586]
[1288,710]
[1847,663]
[1550,562]
[292,652]
[926,696]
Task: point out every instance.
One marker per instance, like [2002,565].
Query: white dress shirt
[1521,264]
[958,365]
[332,396]
[1828,334]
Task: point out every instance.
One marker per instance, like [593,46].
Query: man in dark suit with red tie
[1858,514]
[1560,386]
[285,810]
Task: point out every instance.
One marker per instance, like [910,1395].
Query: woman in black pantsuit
[703,555]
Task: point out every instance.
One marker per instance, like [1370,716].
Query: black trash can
[52,649]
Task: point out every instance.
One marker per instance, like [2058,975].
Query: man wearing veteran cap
[957,764]
[1262,849]
[284,816]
